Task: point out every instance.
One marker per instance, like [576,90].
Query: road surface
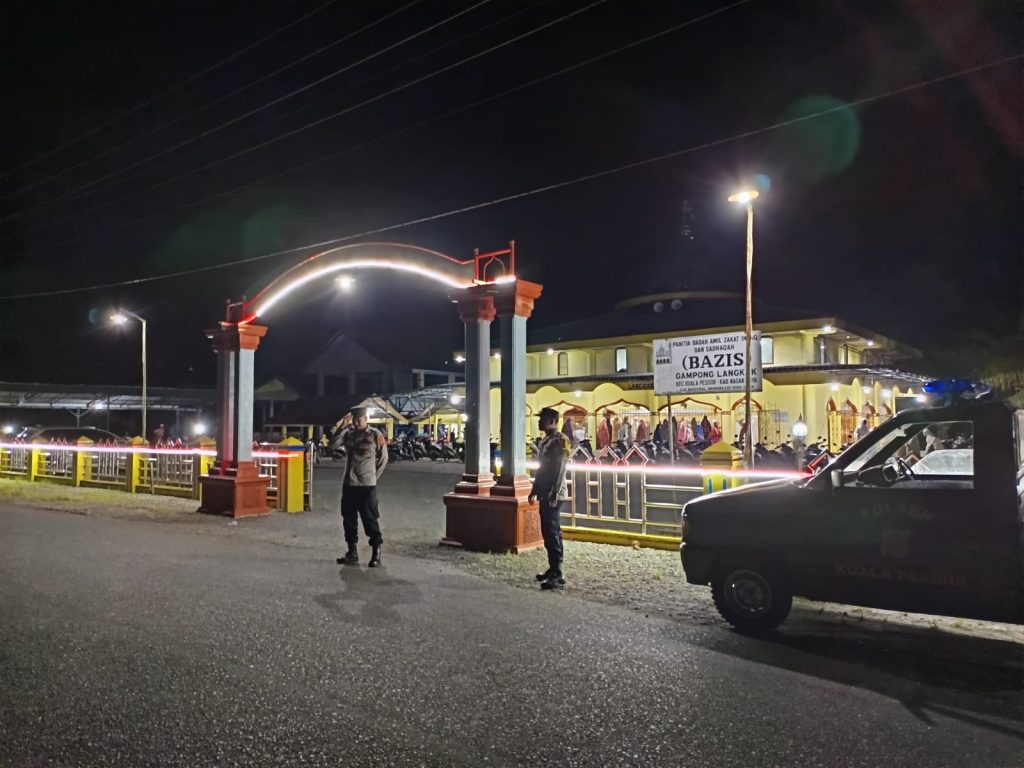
[142,643]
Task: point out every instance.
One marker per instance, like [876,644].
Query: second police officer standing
[551,491]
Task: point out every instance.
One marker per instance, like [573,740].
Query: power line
[72,194]
[855,104]
[401,131]
[167,92]
[406,63]
[333,116]
[285,114]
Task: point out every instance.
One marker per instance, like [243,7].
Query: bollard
[83,462]
[720,456]
[135,459]
[203,466]
[35,455]
[291,476]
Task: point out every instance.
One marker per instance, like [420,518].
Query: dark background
[903,216]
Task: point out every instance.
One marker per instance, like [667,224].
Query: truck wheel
[753,596]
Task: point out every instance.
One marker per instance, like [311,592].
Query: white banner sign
[700,364]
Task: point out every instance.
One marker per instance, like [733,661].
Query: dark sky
[903,215]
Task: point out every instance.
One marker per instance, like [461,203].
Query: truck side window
[924,453]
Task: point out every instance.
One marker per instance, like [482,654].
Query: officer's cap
[547,414]
[358,413]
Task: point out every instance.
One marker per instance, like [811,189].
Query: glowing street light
[120,317]
[746,197]
[199,429]
[345,282]
[800,428]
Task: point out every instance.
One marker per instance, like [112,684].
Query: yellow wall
[788,350]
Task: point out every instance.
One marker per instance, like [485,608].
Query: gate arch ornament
[483,512]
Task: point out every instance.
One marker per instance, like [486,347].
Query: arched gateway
[482,513]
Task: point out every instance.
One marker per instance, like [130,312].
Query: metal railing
[644,498]
[57,462]
[307,482]
[170,469]
[267,465]
[15,461]
[626,498]
[109,467]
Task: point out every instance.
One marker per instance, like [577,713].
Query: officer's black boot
[553,578]
[351,557]
[554,581]
[544,576]
[375,557]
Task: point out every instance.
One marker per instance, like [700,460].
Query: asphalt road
[139,643]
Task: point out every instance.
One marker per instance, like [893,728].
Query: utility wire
[402,65]
[333,116]
[73,193]
[399,132]
[855,104]
[162,94]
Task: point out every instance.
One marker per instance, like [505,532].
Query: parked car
[923,514]
[69,434]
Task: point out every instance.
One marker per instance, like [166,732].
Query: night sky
[903,215]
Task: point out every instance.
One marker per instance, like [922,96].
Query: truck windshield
[897,436]
[935,448]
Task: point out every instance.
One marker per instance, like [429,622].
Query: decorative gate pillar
[233,485]
[476,309]
[514,304]
[480,515]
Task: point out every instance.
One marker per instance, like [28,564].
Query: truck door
[905,521]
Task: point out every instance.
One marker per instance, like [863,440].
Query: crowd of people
[613,429]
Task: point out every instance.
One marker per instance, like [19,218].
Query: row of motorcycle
[813,456]
[403,448]
[407,447]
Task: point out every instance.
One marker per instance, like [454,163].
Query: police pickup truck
[923,514]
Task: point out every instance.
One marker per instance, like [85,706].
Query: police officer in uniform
[366,457]
[551,490]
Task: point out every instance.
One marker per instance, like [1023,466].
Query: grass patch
[89,500]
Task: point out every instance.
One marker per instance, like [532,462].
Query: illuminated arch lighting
[265,304]
[272,294]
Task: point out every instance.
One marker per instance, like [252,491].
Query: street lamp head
[743,196]
[345,282]
[118,319]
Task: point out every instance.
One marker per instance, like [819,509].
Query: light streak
[268,303]
[53,447]
[661,469]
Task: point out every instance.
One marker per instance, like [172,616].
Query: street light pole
[746,198]
[145,434]
[748,443]
[121,317]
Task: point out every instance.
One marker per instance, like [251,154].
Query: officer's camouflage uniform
[551,490]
